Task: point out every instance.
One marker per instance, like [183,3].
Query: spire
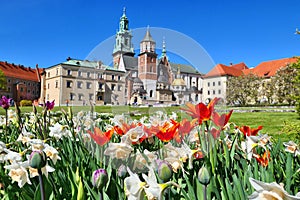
[178,72]
[124,22]
[164,51]
[148,36]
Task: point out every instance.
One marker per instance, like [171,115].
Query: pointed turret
[123,45]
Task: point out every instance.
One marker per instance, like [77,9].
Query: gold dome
[178,82]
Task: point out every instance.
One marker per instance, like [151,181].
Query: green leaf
[190,188]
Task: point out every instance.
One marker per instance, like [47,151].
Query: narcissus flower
[270,191]
[101,138]
[247,131]
[292,147]
[18,173]
[201,111]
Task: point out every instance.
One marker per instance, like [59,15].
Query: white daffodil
[37,144]
[58,131]
[12,156]
[118,150]
[18,172]
[142,160]
[154,191]
[51,153]
[292,147]
[270,191]
[25,136]
[134,187]
[133,135]
[45,170]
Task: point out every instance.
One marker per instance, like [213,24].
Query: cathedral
[150,78]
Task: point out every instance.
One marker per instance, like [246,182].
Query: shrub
[25,102]
[291,130]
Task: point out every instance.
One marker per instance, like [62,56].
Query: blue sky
[47,32]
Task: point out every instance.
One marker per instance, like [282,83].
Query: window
[219,83]
[208,84]
[79,73]
[8,80]
[56,71]
[126,41]
[56,84]
[33,91]
[119,78]
[99,98]
[113,87]
[88,85]
[48,87]
[47,96]
[72,96]
[208,92]
[100,85]
[79,84]
[69,84]
[214,92]
[151,68]
[69,72]
[48,74]
[28,84]
[28,91]
[91,96]
[219,91]
[8,89]
[151,93]
[80,97]
[88,74]
[213,83]
[112,77]
[119,87]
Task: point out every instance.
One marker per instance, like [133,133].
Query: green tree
[285,88]
[243,89]
[296,81]
[2,81]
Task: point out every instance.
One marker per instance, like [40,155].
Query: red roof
[269,68]
[19,71]
[223,70]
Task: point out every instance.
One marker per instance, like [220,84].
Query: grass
[272,122]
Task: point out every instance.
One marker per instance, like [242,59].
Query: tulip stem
[101,194]
[205,192]
[41,184]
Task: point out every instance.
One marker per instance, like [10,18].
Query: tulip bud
[38,159]
[203,176]
[99,178]
[122,171]
[165,171]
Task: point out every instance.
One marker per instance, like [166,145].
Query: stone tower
[123,44]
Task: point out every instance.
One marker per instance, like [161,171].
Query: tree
[285,88]
[296,81]
[243,90]
[2,81]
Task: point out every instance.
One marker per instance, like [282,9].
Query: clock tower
[123,44]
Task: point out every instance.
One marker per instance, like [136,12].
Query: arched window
[151,93]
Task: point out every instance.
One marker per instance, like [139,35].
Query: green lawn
[272,122]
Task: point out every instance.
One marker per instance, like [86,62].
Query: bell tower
[147,65]
[123,44]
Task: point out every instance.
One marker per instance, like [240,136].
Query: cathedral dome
[178,82]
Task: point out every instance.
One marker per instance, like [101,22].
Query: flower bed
[55,155]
